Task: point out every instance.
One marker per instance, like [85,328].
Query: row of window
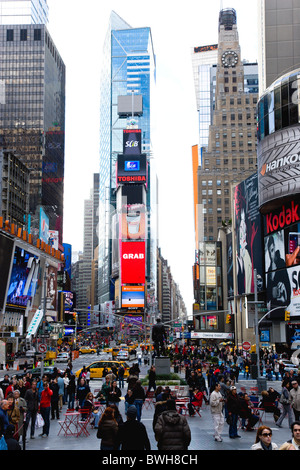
[10,35]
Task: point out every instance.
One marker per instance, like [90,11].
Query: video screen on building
[282,257]
[24,278]
[133,262]
[133,297]
[6,252]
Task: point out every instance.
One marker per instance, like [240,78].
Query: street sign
[42,348]
[246,346]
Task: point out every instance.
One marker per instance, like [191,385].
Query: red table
[70,425]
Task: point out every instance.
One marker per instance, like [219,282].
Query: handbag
[3,444]
[39,422]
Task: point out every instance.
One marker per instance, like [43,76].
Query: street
[201,428]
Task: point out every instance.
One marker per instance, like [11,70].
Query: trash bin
[261,384]
[253,371]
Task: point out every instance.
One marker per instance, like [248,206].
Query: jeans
[71,400]
[45,412]
[121,382]
[30,415]
[138,404]
[233,425]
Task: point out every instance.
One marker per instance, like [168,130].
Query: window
[37,34]
[10,35]
[23,35]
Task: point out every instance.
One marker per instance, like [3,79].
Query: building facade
[128,72]
[231,151]
[279,39]
[32,114]
[24,12]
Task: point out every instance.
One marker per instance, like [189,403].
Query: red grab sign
[133,262]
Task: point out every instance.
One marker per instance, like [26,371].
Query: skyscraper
[231,152]
[128,72]
[32,114]
[24,12]
[279,39]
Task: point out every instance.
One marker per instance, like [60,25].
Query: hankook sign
[279,165]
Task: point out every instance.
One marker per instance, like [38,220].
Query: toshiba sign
[133,262]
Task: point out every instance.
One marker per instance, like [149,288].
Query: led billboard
[132,142]
[133,297]
[132,169]
[23,279]
[133,222]
[6,252]
[133,262]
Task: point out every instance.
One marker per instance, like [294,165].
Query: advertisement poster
[133,222]
[133,297]
[6,252]
[248,236]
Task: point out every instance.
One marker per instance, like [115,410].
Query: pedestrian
[285,400]
[152,379]
[54,398]
[132,434]
[216,402]
[233,408]
[264,439]
[107,430]
[129,399]
[139,398]
[71,392]
[295,428]
[295,396]
[114,394]
[105,389]
[45,407]
[172,431]
[287,446]
[121,372]
[32,400]
[61,391]
[11,441]
[13,413]
[21,404]
[4,414]
[81,391]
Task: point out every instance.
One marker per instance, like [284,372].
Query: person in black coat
[132,435]
[12,443]
[234,409]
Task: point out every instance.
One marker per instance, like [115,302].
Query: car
[96,368]
[115,351]
[35,373]
[62,357]
[123,355]
[87,350]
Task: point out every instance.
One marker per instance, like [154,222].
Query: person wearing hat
[132,435]
[234,409]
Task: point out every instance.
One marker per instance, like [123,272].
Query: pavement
[201,427]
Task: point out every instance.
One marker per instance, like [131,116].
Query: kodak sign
[281,218]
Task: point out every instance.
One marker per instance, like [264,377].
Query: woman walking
[107,430]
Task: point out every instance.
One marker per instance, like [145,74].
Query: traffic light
[228,319]
[287,316]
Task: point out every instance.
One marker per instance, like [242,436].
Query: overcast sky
[78,29]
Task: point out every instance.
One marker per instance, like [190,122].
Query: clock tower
[230,67]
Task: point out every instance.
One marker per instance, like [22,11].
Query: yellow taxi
[87,350]
[115,351]
[96,368]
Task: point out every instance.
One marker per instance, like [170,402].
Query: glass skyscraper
[128,69]
[32,113]
[24,12]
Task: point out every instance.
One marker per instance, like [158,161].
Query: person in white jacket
[216,407]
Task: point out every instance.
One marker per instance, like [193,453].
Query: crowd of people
[209,383]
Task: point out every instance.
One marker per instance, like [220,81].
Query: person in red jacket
[45,407]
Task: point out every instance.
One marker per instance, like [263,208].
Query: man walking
[216,407]
[295,396]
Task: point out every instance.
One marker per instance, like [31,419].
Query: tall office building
[231,152]
[128,76]
[24,12]
[32,114]
[279,39]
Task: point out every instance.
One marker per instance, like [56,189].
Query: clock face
[229,59]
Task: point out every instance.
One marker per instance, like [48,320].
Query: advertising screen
[23,280]
[6,252]
[248,236]
[133,222]
[133,297]
[132,142]
[132,169]
[133,262]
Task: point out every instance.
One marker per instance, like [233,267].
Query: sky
[78,29]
